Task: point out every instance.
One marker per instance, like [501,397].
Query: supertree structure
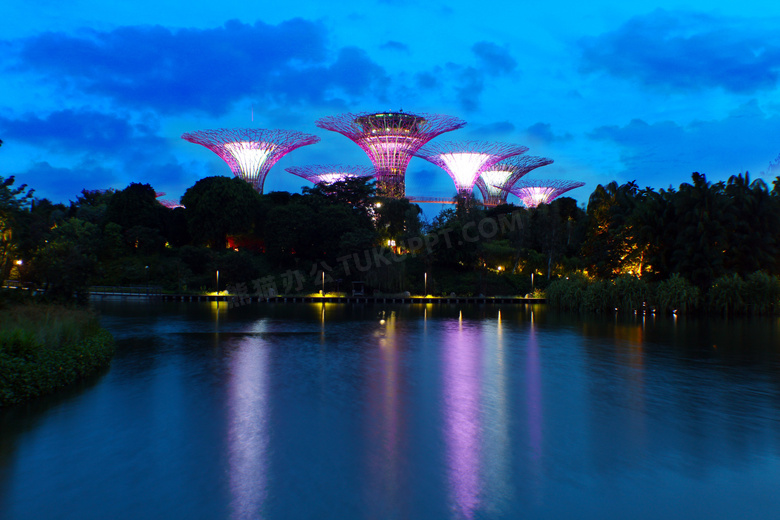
[465,161]
[390,139]
[250,152]
[494,182]
[535,192]
[170,204]
[331,172]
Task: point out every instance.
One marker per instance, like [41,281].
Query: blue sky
[96,94]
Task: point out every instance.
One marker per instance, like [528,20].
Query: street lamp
[425,285]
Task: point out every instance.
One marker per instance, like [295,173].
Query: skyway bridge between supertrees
[250,152]
[390,139]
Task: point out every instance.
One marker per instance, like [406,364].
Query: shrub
[762,292]
[727,294]
[45,347]
[678,294]
[630,293]
[600,296]
[567,294]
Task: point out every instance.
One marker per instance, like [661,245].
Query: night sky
[96,94]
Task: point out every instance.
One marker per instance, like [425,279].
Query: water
[384,412]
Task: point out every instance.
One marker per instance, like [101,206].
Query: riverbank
[46,347]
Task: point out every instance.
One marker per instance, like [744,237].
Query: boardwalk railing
[125,291]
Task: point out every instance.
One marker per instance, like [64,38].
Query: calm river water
[299,411]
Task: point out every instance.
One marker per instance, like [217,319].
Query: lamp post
[217,288]
[146,269]
[425,285]
[323,284]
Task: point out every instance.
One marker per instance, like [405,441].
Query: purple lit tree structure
[536,192]
[465,161]
[494,182]
[250,152]
[390,139]
[170,204]
[330,173]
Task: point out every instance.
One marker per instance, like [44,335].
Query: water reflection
[248,427]
[384,414]
[534,402]
[496,448]
[462,426]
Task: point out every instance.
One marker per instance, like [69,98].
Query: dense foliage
[46,347]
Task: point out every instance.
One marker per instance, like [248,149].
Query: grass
[45,347]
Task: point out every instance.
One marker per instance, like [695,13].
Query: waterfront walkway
[124,293]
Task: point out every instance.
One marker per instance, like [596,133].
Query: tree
[610,244]
[216,207]
[12,201]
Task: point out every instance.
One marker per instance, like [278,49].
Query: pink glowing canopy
[494,182]
[250,152]
[390,139]
[465,161]
[330,172]
[536,192]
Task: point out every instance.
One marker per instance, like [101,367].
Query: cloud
[76,130]
[427,80]
[543,132]
[719,148]
[175,71]
[59,182]
[468,82]
[493,59]
[470,85]
[500,129]
[688,51]
[393,45]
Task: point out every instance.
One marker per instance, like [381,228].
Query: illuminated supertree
[170,204]
[494,182]
[536,192]
[465,161]
[390,139]
[330,173]
[250,152]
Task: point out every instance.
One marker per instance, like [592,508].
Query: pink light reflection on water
[248,428]
[462,368]
[534,390]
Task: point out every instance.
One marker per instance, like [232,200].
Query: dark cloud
[80,130]
[469,86]
[393,45]
[427,80]
[494,59]
[688,51]
[469,82]
[61,184]
[175,71]
[543,132]
[500,130]
[720,148]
